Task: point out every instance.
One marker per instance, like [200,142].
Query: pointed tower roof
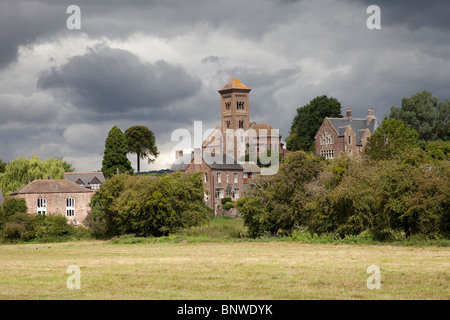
[234,84]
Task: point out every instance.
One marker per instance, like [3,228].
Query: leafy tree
[391,140]
[149,205]
[20,171]
[422,113]
[275,204]
[308,120]
[141,141]
[115,155]
[2,166]
[442,122]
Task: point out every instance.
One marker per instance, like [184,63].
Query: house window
[245,175]
[227,177]
[219,193]
[206,177]
[219,177]
[236,193]
[349,139]
[235,178]
[70,207]
[327,154]
[42,206]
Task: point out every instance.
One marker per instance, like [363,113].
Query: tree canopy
[141,141]
[20,171]
[308,120]
[391,140]
[422,112]
[115,155]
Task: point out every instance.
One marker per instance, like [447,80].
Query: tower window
[227,105]
[241,124]
[240,105]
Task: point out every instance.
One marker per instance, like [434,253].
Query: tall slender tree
[115,155]
[141,141]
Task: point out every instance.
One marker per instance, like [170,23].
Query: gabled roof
[51,186]
[85,178]
[234,84]
[359,126]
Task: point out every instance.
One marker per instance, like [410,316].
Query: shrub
[226,200]
[228,205]
[149,205]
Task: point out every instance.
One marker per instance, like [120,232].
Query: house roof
[225,162]
[85,178]
[359,126]
[250,167]
[234,84]
[51,186]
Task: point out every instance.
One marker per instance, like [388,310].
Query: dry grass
[224,270]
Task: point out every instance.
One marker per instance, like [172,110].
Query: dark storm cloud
[23,22]
[115,81]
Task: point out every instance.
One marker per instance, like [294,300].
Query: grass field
[222,270]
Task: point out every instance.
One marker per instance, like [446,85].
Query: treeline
[396,189]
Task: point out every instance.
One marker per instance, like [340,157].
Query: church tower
[235,108]
[235,105]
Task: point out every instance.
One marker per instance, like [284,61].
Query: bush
[228,205]
[226,200]
[149,205]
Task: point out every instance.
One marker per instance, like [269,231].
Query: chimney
[349,114]
[370,115]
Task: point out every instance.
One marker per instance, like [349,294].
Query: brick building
[344,135]
[235,115]
[221,179]
[54,196]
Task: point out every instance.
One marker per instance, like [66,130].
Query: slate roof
[359,126]
[251,167]
[51,186]
[85,178]
[225,162]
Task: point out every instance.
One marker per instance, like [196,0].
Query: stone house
[221,179]
[57,196]
[344,135]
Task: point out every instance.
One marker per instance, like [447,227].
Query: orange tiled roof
[234,84]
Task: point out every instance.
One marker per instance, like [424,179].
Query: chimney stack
[349,114]
[370,115]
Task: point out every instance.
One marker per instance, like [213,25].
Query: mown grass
[218,261]
[222,270]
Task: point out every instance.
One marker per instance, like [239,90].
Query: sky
[160,64]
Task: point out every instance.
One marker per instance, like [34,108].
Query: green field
[222,270]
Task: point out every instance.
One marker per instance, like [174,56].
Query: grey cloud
[115,81]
